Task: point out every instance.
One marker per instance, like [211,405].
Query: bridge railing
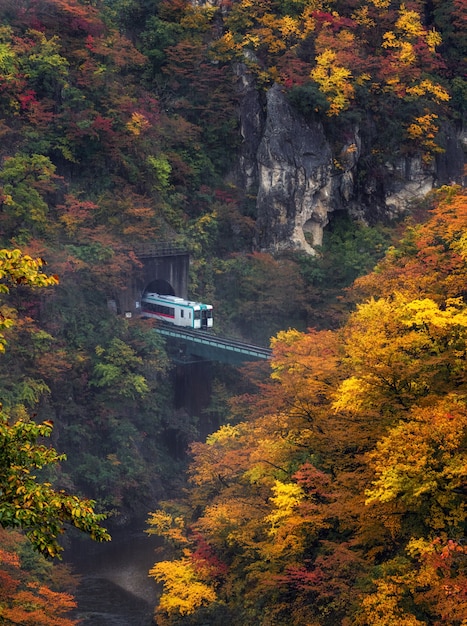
[215,342]
[156,249]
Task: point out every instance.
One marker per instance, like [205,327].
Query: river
[115,589]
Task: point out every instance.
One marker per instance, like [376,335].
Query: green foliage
[161,168]
[45,68]
[308,100]
[257,292]
[349,249]
[26,502]
[24,181]
[35,506]
[116,370]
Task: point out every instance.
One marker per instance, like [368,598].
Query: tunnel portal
[162,287]
[163,269]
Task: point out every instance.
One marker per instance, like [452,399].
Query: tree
[29,594]
[35,506]
[25,501]
[338,495]
[24,181]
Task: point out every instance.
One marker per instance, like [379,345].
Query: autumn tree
[26,502]
[31,595]
[337,495]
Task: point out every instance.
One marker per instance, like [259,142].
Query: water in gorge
[114,588]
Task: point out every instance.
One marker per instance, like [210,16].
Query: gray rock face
[300,181]
[294,173]
[251,119]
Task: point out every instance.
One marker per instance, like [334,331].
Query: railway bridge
[189,346]
[163,268]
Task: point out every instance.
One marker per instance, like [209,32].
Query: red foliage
[313,481]
[60,15]
[292,70]
[27,98]
[205,561]
[333,21]
[102,124]
[299,578]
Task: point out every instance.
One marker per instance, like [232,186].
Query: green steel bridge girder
[190,345]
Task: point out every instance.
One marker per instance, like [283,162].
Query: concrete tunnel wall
[170,267]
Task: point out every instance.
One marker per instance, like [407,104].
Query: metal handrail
[160,249]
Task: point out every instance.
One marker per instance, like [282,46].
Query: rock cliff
[299,181]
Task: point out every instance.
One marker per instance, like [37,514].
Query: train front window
[197,315]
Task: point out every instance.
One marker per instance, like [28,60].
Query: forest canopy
[338,493]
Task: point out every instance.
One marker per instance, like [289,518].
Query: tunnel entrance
[161,287]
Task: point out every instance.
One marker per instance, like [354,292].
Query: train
[177,311]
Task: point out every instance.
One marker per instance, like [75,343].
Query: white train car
[177,311]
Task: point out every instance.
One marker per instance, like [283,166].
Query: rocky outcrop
[251,122]
[294,178]
[300,181]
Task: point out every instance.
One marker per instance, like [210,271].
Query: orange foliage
[23,600]
[340,496]
[431,257]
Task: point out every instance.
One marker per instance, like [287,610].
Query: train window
[197,315]
[160,308]
[182,313]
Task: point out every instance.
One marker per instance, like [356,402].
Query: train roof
[174,299]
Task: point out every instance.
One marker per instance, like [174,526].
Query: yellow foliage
[333,81]
[351,395]
[427,313]
[409,23]
[252,41]
[137,123]
[406,53]
[17,268]
[406,50]
[288,26]
[396,349]
[223,435]
[198,18]
[424,456]
[433,40]
[381,4]
[362,17]
[288,337]
[235,522]
[183,592]
[460,246]
[308,23]
[423,130]
[382,607]
[287,496]
[166,525]
[407,30]
[226,46]
[426,87]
